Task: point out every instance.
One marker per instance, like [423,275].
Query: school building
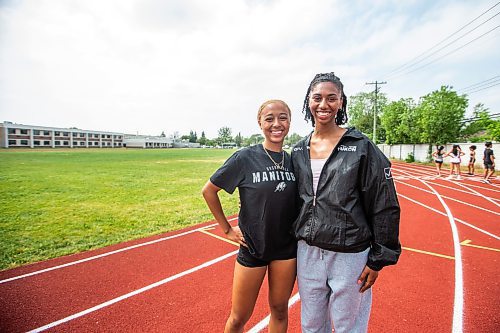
[29,136]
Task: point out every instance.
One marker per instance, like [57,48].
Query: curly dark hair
[341,117]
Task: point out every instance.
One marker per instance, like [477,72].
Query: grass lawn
[57,202]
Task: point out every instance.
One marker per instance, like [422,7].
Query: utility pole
[376,83]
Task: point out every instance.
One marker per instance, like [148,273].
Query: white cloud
[153,66]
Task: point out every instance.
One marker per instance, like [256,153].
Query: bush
[410,158]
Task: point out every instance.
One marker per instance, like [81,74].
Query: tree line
[436,118]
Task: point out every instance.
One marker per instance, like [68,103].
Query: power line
[453,51]
[404,66]
[482,88]
[445,46]
[490,116]
[495,78]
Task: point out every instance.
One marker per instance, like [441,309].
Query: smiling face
[274,120]
[325,100]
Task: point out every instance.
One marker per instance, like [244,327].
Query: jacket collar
[352,132]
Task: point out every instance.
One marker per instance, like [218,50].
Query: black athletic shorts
[245,258]
[489,166]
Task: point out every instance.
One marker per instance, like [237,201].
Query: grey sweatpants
[329,291]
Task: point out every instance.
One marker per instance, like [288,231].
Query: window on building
[82,135]
[46,143]
[57,143]
[75,134]
[66,143]
[57,133]
[82,143]
[24,131]
[65,133]
[12,131]
[36,142]
[36,132]
[24,142]
[12,142]
[46,132]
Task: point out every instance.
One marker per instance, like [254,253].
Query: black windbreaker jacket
[355,206]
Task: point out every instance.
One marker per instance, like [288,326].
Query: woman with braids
[264,177]
[348,225]
[438,155]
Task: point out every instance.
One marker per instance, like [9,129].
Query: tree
[162,134]
[225,135]
[441,113]
[360,112]
[203,139]
[475,130]
[493,130]
[238,139]
[253,140]
[193,137]
[292,139]
[400,122]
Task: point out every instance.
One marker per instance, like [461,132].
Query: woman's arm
[211,194]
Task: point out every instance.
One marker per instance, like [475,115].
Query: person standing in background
[472,159]
[489,162]
[438,158]
[455,153]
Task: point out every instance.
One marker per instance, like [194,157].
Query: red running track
[446,280]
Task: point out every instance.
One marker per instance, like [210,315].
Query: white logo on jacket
[346,148]
[387,173]
[280,187]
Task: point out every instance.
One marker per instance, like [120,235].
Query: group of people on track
[456,154]
[326,215]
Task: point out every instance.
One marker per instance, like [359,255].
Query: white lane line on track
[450,198]
[479,194]
[265,322]
[102,255]
[458,302]
[441,213]
[133,293]
[419,172]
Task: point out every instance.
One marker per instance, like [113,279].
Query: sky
[153,66]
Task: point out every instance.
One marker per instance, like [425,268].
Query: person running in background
[348,227]
[438,155]
[472,159]
[267,188]
[489,162]
[455,153]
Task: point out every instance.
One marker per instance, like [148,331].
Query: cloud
[151,66]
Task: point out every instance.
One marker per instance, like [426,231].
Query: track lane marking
[102,255]
[219,237]
[429,253]
[468,188]
[265,322]
[449,198]
[133,293]
[458,299]
[458,220]
[467,242]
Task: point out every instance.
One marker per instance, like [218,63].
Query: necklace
[278,165]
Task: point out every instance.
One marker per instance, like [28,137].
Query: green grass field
[57,202]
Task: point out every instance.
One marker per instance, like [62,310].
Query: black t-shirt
[268,198]
[488,152]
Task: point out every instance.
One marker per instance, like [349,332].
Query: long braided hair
[341,117]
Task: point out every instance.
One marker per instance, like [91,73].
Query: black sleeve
[381,208]
[229,175]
